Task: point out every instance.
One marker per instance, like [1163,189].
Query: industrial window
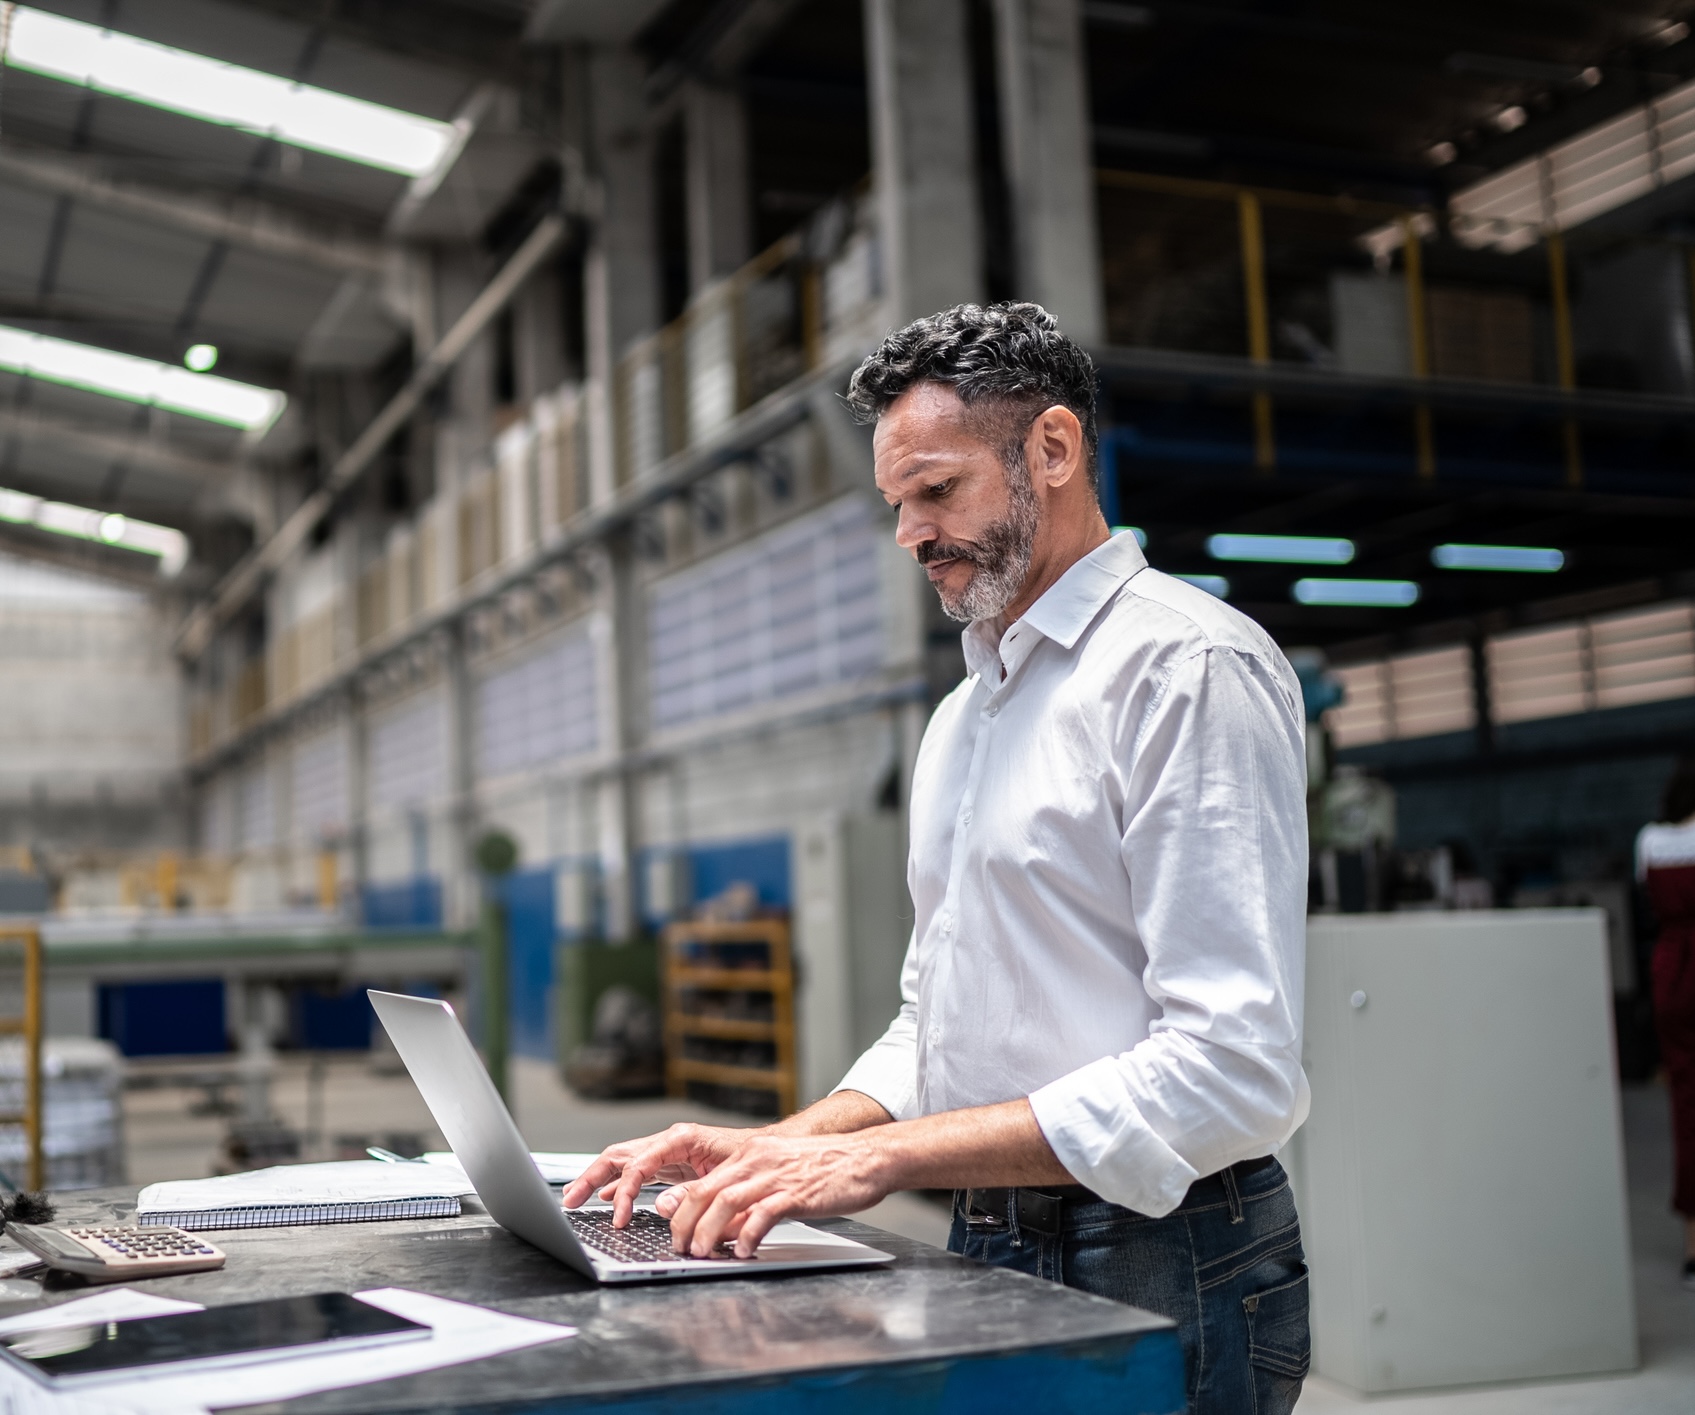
[320,786]
[1411,695]
[542,709]
[795,611]
[1623,659]
[409,753]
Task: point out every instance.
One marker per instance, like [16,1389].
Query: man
[1099,1045]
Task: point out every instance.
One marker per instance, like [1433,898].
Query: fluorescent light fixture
[1215,585]
[202,358]
[227,94]
[61,518]
[1282,550]
[1376,594]
[1525,558]
[1137,531]
[136,380]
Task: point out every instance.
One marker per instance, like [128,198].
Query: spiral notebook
[345,1191]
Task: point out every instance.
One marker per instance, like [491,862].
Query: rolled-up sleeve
[1215,843]
[888,1071]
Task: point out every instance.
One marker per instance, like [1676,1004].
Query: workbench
[931,1333]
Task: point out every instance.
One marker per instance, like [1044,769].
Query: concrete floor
[359,1106]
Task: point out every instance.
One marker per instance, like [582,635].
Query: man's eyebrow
[921,463]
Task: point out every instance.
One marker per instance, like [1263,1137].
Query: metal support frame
[1565,357]
[28,1026]
[1259,324]
[1418,336]
[243,221]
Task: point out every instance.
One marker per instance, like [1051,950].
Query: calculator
[119,1252]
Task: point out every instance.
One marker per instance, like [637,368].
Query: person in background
[1665,864]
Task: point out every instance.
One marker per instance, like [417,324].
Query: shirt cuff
[1105,1144]
[889,1075]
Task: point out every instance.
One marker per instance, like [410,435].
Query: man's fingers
[602,1170]
[668,1202]
[729,1202]
[759,1221]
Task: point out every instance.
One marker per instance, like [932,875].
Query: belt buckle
[978,1221]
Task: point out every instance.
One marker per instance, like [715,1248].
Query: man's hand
[789,1171]
[686,1152]
[770,1178]
[683,1152]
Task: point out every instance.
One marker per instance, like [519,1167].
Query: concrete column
[458,883]
[359,791]
[620,669]
[1049,161]
[621,264]
[923,153]
[720,216]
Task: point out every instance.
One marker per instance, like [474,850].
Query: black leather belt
[1043,1210]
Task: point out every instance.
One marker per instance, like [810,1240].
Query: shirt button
[995,710]
[935,1036]
[947,926]
[966,818]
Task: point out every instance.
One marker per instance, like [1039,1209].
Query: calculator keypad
[143,1248]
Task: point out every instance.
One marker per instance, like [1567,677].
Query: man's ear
[1053,449]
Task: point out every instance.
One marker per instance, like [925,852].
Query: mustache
[933,550]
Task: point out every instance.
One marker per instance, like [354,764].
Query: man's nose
[913,530]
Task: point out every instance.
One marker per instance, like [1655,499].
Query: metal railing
[1285,245]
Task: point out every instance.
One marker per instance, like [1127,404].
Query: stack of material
[82,1082]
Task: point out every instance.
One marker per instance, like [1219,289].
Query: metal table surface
[930,1333]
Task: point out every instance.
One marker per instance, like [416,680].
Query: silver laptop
[450,1076]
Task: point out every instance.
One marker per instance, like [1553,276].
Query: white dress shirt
[1109,872]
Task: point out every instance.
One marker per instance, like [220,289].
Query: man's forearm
[986,1147]
[840,1114]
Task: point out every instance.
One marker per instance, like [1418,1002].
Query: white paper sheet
[339,1182]
[557,1167]
[460,1333]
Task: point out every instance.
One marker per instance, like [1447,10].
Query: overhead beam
[249,575]
[112,447]
[238,221]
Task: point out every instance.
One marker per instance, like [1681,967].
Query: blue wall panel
[761,863]
[528,897]
[409,904]
[175,1018]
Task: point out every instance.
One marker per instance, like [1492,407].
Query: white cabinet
[1461,1177]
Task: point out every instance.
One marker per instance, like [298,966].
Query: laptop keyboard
[646,1240]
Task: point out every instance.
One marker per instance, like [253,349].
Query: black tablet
[245,1332]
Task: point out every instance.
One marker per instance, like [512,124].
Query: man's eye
[941,489]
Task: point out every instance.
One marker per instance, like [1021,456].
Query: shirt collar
[1069,605]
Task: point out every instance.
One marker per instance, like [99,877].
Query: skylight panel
[168,546]
[228,94]
[138,380]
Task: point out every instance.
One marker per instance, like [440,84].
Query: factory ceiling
[129,227]
[133,228]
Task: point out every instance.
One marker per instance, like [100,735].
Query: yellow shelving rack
[697,959]
[28,1026]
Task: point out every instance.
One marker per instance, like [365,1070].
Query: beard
[1001,554]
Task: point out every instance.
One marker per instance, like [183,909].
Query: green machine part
[584,969]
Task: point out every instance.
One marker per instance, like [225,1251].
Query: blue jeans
[1226,1266]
